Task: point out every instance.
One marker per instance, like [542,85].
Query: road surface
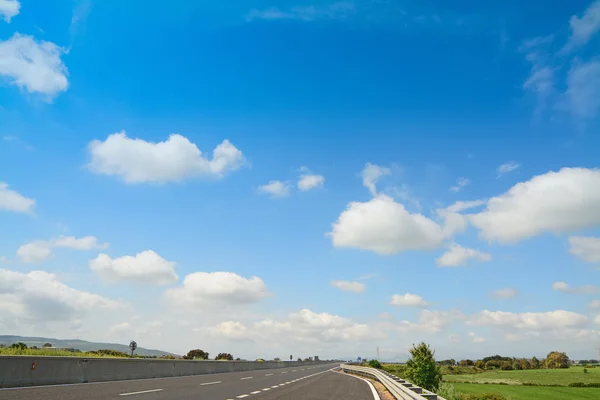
[301,383]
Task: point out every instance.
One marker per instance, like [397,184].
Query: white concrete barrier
[32,371]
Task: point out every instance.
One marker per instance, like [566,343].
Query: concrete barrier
[32,371]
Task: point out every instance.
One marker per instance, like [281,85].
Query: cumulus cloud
[384,226]
[275,189]
[507,167]
[555,202]
[4,260]
[544,321]
[594,305]
[430,321]
[232,330]
[371,173]
[39,295]
[584,27]
[585,248]
[217,289]
[310,181]
[334,11]
[13,201]
[541,79]
[582,97]
[408,300]
[460,183]
[505,293]
[176,159]
[349,286]
[145,267]
[474,338]
[34,66]
[40,250]
[458,255]
[566,288]
[9,9]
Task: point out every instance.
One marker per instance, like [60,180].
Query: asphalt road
[302,383]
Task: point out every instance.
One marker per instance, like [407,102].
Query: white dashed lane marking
[247,377]
[210,383]
[145,391]
[268,374]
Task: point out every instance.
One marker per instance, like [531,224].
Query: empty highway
[294,383]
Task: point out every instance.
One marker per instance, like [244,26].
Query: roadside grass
[7,351]
[550,377]
[530,392]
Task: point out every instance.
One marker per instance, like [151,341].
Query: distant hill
[79,344]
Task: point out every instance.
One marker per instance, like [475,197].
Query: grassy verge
[530,392]
[7,351]
[550,377]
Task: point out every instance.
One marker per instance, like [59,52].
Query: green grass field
[531,392]
[539,376]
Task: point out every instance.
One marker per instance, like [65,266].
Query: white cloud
[39,250]
[275,189]
[13,201]
[120,328]
[555,202]
[566,288]
[335,11]
[9,9]
[176,159]
[4,260]
[217,289]
[349,286]
[505,293]
[39,295]
[585,248]
[474,338]
[145,267]
[233,330]
[583,89]
[458,255]
[507,167]
[594,305]
[371,174]
[34,66]
[308,182]
[597,319]
[386,227]
[385,315]
[408,300]
[465,205]
[545,321]
[34,252]
[460,183]
[430,321]
[584,27]
[541,79]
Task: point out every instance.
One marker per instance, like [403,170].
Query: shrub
[448,391]
[483,396]
[375,364]
[585,370]
[577,384]
[421,369]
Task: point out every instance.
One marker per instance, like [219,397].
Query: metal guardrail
[399,388]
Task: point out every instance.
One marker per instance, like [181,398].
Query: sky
[307,177]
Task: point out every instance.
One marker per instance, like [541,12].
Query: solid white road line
[210,383]
[373,390]
[247,377]
[142,392]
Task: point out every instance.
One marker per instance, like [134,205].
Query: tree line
[553,360]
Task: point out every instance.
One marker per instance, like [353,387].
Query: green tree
[535,363]
[20,346]
[196,354]
[224,356]
[479,364]
[47,345]
[375,364]
[556,359]
[421,369]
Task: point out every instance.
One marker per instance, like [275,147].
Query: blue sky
[319,146]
